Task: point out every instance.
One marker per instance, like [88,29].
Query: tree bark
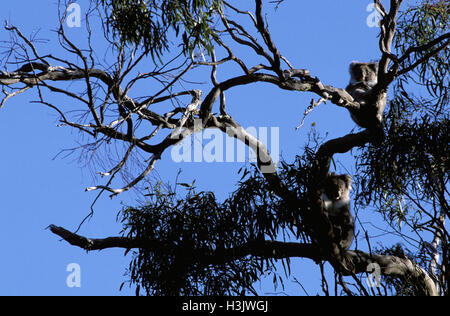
[389,265]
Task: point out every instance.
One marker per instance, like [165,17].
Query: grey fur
[363,77]
[336,199]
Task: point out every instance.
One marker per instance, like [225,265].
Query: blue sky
[37,190]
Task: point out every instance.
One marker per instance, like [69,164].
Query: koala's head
[363,72]
[337,187]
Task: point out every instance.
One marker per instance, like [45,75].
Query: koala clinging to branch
[363,77]
[336,199]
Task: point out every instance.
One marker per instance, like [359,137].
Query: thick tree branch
[389,265]
[339,97]
[89,244]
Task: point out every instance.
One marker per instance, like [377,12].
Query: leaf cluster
[148,23]
[194,229]
[417,26]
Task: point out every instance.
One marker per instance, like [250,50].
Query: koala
[363,77]
[336,204]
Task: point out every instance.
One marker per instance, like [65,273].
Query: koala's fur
[336,199]
[363,77]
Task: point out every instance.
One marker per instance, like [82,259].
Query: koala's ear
[374,66]
[347,179]
[331,175]
[353,66]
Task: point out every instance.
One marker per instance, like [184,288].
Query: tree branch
[390,265]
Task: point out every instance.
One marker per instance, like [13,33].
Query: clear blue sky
[37,190]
